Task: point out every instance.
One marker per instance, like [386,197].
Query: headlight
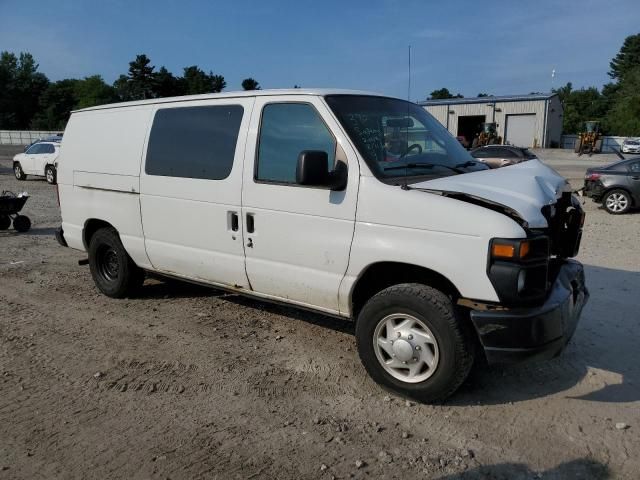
[518,268]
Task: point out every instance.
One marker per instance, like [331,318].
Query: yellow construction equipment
[488,136]
[590,139]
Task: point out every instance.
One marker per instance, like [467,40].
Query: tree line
[29,100]
[616,105]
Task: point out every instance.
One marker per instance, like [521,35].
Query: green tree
[123,88]
[20,88]
[167,85]
[218,82]
[197,81]
[141,78]
[624,116]
[580,106]
[443,93]
[250,84]
[627,58]
[482,95]
[92,91]
[55,104]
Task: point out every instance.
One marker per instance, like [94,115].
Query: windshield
[399,139]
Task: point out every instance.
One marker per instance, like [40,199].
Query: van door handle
[233,221]
[250,223]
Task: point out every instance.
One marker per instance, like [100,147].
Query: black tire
[453,336]
[113,271]
[623,205]
[18,172]
[21,223]
[50,174]
[5,222]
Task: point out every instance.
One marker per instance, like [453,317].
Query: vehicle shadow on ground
[163,287]
[174,287]
[605,340]
[580,468]
[40,232]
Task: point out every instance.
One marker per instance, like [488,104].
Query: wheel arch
[380,275]
[91,226]
[625,189]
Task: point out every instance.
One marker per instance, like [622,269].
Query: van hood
[520,190]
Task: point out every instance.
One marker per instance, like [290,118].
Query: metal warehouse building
[523,120]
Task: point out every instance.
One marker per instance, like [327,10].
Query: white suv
[353,204]
[40,159]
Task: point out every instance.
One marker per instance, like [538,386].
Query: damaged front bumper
[517,334]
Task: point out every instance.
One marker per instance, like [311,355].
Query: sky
[495,47]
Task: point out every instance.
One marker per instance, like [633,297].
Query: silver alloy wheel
[50,175]
[406,348]
[18,171]
[617,202]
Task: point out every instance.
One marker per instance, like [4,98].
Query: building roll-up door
[520,130]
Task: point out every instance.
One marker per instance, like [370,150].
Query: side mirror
[313,170]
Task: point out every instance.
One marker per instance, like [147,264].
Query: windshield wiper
[468,163]
[424,165]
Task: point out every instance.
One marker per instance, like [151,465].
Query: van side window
[286,129]
[194,142]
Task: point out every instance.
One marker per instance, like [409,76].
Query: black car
[616,186]
[496,156]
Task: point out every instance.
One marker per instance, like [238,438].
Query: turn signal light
[510,250]
[503,251]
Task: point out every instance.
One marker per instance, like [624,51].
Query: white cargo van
[348,203]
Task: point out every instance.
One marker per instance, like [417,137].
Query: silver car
[631,145]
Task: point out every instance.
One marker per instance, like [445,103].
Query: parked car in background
[616,186]
[496,156]
[631,145]
[40,159]
[51,138]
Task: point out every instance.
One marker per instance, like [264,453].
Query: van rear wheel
[113,271]
[411,341]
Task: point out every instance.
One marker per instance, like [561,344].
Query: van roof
[248,93]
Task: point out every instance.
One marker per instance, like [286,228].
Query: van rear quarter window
[194,142]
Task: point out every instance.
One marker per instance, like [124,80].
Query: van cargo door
[190,190]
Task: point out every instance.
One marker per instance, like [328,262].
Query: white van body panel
[300,246]
[310,245]
[187,220]
[98,175]
[523,187]
[442,234]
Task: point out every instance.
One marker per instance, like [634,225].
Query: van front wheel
[411,341]
[113,271]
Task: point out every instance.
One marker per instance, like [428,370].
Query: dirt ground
[188,382]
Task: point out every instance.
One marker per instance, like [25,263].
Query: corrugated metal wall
[537,107]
